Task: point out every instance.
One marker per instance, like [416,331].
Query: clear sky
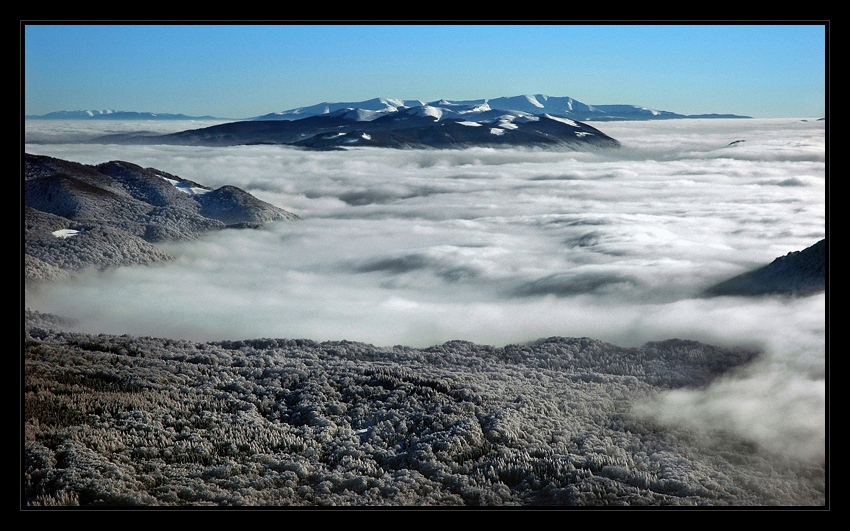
[240,71]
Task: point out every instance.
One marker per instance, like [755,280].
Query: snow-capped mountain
[369,109]
[534,104]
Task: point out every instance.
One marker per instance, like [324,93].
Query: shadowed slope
[796,273]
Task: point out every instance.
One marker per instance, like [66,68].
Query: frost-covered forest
[139,421]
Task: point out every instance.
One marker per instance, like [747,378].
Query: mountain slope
[119,420]
[55,247]
[796,273]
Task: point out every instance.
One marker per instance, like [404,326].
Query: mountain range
[536,121]
[563,106]
[109,114]
[112,214]
[535,104]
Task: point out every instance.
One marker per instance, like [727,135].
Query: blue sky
[241,71]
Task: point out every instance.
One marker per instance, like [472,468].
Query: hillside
[120,420]
[796,273]
[78,216]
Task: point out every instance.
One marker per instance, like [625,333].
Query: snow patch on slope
[533,100]
[562,120]
[65,233]
[428,110]
[185,188]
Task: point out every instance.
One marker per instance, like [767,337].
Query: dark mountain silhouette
[78,216]
[417,127]
[796,273]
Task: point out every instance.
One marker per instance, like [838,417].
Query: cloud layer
[498,247]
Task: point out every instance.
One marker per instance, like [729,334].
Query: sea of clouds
[498,246]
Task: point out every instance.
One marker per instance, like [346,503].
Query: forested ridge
[139,421]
